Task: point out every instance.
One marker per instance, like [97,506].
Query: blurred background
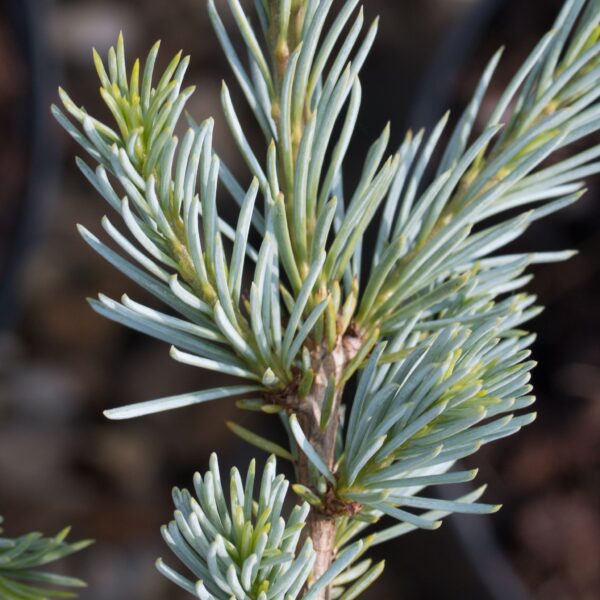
[62,463]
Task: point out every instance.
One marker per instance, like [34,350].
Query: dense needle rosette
[241,548]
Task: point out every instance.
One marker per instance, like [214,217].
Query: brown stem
[321,525]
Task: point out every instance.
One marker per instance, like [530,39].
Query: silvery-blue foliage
[437,321]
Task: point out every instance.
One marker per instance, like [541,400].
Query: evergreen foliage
[246,549]
[21,560]
[429,321]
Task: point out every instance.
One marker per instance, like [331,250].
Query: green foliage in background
[23,559]
[292,302]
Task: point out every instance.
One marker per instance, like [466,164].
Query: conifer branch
[433,333]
